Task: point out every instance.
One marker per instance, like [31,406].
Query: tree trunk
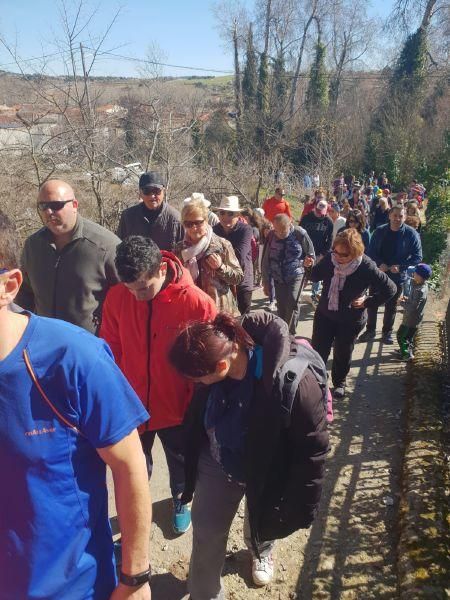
[237,79]
[427,14]
[299,63]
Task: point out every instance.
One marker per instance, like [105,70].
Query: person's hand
[308,262]
[384,268]
[126,592]
[214,262]
[395,269]
[359,302]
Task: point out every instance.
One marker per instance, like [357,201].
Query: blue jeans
[271,290]
[172,440]
[407,284]
[316,286]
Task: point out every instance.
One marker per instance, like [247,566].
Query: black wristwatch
[136,580]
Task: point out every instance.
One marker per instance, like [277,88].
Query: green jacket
[70,284]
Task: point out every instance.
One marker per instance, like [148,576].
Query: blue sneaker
[181,517]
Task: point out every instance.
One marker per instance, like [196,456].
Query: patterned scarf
[341,272]
[191,254]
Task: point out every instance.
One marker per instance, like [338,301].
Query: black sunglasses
[190,224]
[54,205]
[150,191]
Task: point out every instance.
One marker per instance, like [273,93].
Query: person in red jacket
[142,317]
[276,205]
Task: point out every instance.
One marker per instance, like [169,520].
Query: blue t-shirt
[55,538]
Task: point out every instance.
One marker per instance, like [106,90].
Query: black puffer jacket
[284,467]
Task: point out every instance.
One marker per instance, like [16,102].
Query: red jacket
[273,206]
[141,333]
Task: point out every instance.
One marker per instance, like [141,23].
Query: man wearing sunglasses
[67,411]
[68,265]
[153,217]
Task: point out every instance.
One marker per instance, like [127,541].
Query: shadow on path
[350,549]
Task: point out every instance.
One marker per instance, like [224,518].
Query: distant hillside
[15,89]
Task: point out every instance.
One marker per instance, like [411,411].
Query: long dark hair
[200,346]
[358,216]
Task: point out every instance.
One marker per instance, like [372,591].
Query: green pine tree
[263,84]
[317,94]
[250,76]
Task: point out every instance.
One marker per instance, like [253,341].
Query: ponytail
[201,345]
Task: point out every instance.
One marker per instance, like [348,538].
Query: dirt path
[350,550]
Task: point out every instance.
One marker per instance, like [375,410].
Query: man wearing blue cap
[153,217]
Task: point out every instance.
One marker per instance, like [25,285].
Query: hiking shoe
[272,306]
[262,570]
[387,338]
[181,517]
[339,391]
[368,335]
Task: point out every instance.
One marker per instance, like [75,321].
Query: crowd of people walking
[107,340]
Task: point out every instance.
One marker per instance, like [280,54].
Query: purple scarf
[341,272]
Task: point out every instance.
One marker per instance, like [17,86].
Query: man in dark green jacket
[68,265]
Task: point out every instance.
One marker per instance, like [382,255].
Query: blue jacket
[408,252]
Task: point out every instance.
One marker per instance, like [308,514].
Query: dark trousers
[288,305]
[172,440]
[405,339]
[342,336]
[215,504]
[244,300]
[390,310]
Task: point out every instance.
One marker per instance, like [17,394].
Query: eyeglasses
[352,221]
[340,254]
[227,213]
[53,205]
[151,191]
[190,224]
[3,271]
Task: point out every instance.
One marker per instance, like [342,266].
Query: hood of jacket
[180,278]
[272,333]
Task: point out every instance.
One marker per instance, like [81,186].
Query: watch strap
[136,580]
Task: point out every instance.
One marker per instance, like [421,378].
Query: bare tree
[311,13]
[349,41]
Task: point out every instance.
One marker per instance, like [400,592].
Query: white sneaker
[272,306]
[262,570]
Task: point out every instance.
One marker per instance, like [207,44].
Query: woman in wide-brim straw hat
[240,235]
[210,259]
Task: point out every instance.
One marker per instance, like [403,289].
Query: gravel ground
[349,553]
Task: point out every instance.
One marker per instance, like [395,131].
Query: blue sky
[184,30]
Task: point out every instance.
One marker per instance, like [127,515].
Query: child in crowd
[414,309]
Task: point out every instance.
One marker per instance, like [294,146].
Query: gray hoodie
[415,304]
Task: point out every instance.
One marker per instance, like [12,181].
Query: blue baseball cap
[424,270]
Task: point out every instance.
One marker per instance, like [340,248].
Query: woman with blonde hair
[210,259]
[341,314]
